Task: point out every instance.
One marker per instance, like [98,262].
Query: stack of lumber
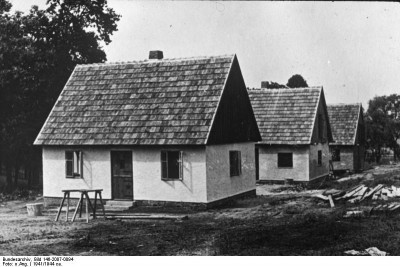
[362,192]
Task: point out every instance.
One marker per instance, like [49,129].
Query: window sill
[171,179]
[285,167]
[74,177]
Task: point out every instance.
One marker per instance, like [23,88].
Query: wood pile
[361,192]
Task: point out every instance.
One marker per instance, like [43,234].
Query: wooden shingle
[344,121]
[285,116]
[163,102]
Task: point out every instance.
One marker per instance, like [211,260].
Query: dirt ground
[281,220]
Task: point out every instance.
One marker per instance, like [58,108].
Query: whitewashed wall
[147,176]
[315,170]
[206,175]
[219,183]
[147,183]
[96,172]
[268,164]
[346,159]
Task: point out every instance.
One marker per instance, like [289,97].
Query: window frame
[235,163]
[280,161]
[78,163]
[180,162]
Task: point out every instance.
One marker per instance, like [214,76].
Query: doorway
[121,175]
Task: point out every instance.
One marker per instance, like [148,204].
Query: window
[335,154]
[319,158]
[285,160]
[235,163]
[73,164]
[171,164]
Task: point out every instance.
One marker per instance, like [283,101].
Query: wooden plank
[95,205]
[87,207]
[395,207]
[102,204]
[76,210]
[67,211]
[321,197]
[351,193]
[331,201]
[375,189]
[81,206]
[59,211]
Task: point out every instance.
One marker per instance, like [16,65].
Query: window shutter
[164,165]
[239,163]
[69,163]
[80,163]
[180,164]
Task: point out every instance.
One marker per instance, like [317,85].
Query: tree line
[382,120]
[38,52]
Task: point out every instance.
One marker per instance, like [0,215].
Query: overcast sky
[351,49]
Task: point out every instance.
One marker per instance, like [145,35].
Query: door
[121,175]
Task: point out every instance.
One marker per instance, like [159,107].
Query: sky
[352,49]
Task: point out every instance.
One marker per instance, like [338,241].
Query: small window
[335,154]
[73,164]
[285,160]
[171,165]
[235,163]
[319,158]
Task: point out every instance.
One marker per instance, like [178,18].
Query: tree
[383,123]
[38,52]
[296,81]
[272,85]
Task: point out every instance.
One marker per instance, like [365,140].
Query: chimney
[156,54]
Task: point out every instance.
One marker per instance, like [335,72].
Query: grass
[312,234]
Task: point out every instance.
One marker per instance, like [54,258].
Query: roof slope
[148,102]
[285,116]
[344,121]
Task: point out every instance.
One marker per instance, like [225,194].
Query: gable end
[234,120]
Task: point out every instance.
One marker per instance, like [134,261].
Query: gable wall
[315,138]
[315,170]
[234,121]
[219,182]
[346,158]
[268,163]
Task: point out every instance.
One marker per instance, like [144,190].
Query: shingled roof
[162,102]
[344,121]
[286,116]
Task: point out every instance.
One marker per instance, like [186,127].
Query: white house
[295,131]
[158,130]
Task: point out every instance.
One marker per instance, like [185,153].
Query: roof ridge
[345,104]
[283,89]
[154,61]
